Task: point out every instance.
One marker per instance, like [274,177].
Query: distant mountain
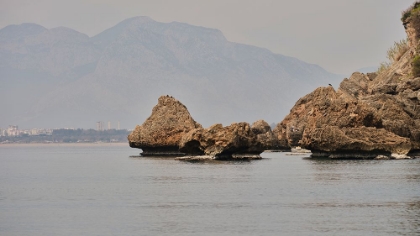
[60,77]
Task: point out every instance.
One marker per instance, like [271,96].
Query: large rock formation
[370,114]
[161,132]
[329,122]
[237,141]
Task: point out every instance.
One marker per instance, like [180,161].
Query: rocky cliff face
[369,114]
[161,132]
[328,121]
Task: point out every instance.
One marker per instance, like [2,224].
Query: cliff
[369,114]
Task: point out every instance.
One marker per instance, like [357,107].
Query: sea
[110,190]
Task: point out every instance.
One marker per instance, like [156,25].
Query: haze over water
[101,190]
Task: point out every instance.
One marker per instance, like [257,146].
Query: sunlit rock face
[368,114]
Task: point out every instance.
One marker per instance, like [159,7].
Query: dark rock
[414,84]
[386,89]
[372,75]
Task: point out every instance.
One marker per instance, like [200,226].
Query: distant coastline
[15,136]
[96,144]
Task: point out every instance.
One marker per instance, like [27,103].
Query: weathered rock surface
[265,136]
[368,116]
[161,133]
[332,122]
[364,142]
[325,107]
[236,141]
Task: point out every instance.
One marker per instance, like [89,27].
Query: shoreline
[63,144]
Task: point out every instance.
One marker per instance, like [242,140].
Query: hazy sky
[339,35]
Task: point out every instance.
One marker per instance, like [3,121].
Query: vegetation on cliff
[411,21]
[394,54]
[412,14]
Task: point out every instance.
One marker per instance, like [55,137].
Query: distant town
[13,134]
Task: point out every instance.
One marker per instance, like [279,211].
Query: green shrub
[405,15]
[416,66]
[412,10]
[412,15]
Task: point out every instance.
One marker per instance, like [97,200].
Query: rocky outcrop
[161,133]
[332,122]
[170,130]
[363,118]
[325,107]
[370,115]
[236,141]
[265,136]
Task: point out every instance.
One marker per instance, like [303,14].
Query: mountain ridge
[120,72]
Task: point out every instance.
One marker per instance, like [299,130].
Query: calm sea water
[101,190]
